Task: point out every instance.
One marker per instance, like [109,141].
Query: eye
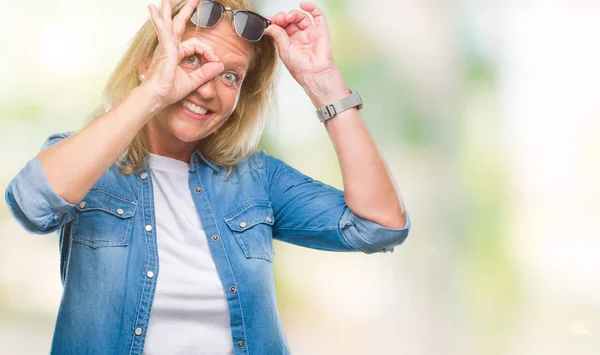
[191,62]
[231,77]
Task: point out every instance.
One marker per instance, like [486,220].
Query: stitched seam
[228,262]
[140,292]
[104,209]
[45,223]
[247,206]
[112,193]
[308,229]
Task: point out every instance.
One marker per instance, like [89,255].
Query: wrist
[325,88]
[147,99]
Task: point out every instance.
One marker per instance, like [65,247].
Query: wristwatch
[346,103]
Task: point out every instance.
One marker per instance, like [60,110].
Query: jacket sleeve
[31,199]
[312,214]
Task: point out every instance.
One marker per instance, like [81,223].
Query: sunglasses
[248,25]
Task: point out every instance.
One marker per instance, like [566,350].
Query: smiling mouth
[195,109]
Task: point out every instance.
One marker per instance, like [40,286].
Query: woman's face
[176,129]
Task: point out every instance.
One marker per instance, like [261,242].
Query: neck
[167,145]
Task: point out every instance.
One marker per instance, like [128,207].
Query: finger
[183,17]
[279,18]
[157,22]
[206,73]
[194,45]
[315,12]
[282,39]
[166,12]
[301,19]
[291,28]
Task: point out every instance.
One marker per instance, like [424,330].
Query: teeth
[195,109]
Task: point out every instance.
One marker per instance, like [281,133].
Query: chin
[186,132]
[188,136]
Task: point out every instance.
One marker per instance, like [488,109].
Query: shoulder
[55,138]
[259,163]
[267,161]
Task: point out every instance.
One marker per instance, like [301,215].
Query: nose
[208,90]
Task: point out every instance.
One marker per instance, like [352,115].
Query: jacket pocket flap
[250,215]
[103,201]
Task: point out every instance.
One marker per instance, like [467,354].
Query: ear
[142,67]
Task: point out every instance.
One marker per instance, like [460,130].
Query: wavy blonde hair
[239,135]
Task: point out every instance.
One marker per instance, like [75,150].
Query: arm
[306,51]
[42,194]
[312,214]
[75,164]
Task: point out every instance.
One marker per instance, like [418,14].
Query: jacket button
[215,237]
[198,189]
[149,274]
[82,204]
[148,228]
[144,175]
[243,224]
[138,331]
[268,219]
[120,212]
[241,344]
[232,289]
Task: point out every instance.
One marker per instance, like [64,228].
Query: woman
[168,172]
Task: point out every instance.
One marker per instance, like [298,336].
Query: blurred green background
[487,114]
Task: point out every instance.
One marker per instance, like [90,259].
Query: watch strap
[346,103]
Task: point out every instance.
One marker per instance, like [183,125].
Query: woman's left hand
[304,47]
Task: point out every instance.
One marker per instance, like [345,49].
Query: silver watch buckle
[331,111]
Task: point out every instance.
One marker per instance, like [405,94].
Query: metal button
[243,224]
[82,204]
[148,228]
[215,237]
[120,212]
[139,331]
[232,289]
[144,175]
[268,219]
[198,189]
[150,274]
[240,344]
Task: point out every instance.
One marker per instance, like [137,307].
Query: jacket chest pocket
[251,226]
[103,220]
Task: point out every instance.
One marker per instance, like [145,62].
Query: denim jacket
[108,251]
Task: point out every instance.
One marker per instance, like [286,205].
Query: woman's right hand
[165,79]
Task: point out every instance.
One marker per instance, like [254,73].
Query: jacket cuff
[370,237]
[33,202]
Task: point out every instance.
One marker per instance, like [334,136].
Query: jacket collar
[197,158]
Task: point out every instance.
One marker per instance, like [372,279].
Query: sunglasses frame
[235,12]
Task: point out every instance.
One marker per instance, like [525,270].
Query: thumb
[279,35]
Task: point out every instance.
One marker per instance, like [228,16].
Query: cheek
[168,114]
[237,98]
[229,99]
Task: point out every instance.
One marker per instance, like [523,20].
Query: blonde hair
[239,135]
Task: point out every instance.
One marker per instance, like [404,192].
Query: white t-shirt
[189,313]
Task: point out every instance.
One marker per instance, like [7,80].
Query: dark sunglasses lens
[208,14]
[248,25]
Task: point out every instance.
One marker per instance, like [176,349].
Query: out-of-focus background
[487,114]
